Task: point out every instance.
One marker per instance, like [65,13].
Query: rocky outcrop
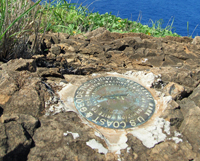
[65,137]
[22,90]
[190,108]
[16,134]
[28,91]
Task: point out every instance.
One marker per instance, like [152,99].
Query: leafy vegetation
[74,19]
[20,18]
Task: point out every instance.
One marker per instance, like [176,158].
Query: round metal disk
[114,102]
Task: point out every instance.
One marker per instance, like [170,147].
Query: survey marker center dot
[114,102]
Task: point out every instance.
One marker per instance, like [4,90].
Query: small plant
[193,30]
[157,31]
[17,19]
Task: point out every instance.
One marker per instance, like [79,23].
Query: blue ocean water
[182,11]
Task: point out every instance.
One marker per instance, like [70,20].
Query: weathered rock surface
[16,134]
[165,151]
[190,108]
[28,87]
[22,91]
[64,136]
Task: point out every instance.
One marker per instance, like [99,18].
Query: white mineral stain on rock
[55,106]
[95,74]
[144,78]
[75,135]
[175,138]
[96,145]
[98,134]
[177,133]
[151,135]
[119,159]
[121,144]
[167,127]
[144,60]
[128,149]
[167,99]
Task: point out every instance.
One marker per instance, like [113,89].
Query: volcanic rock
[38,124]
[65,137]
[22,91]
[16,136]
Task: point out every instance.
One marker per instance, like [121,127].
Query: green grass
[73,18]
[19,19]
[4,16]
[192,31]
